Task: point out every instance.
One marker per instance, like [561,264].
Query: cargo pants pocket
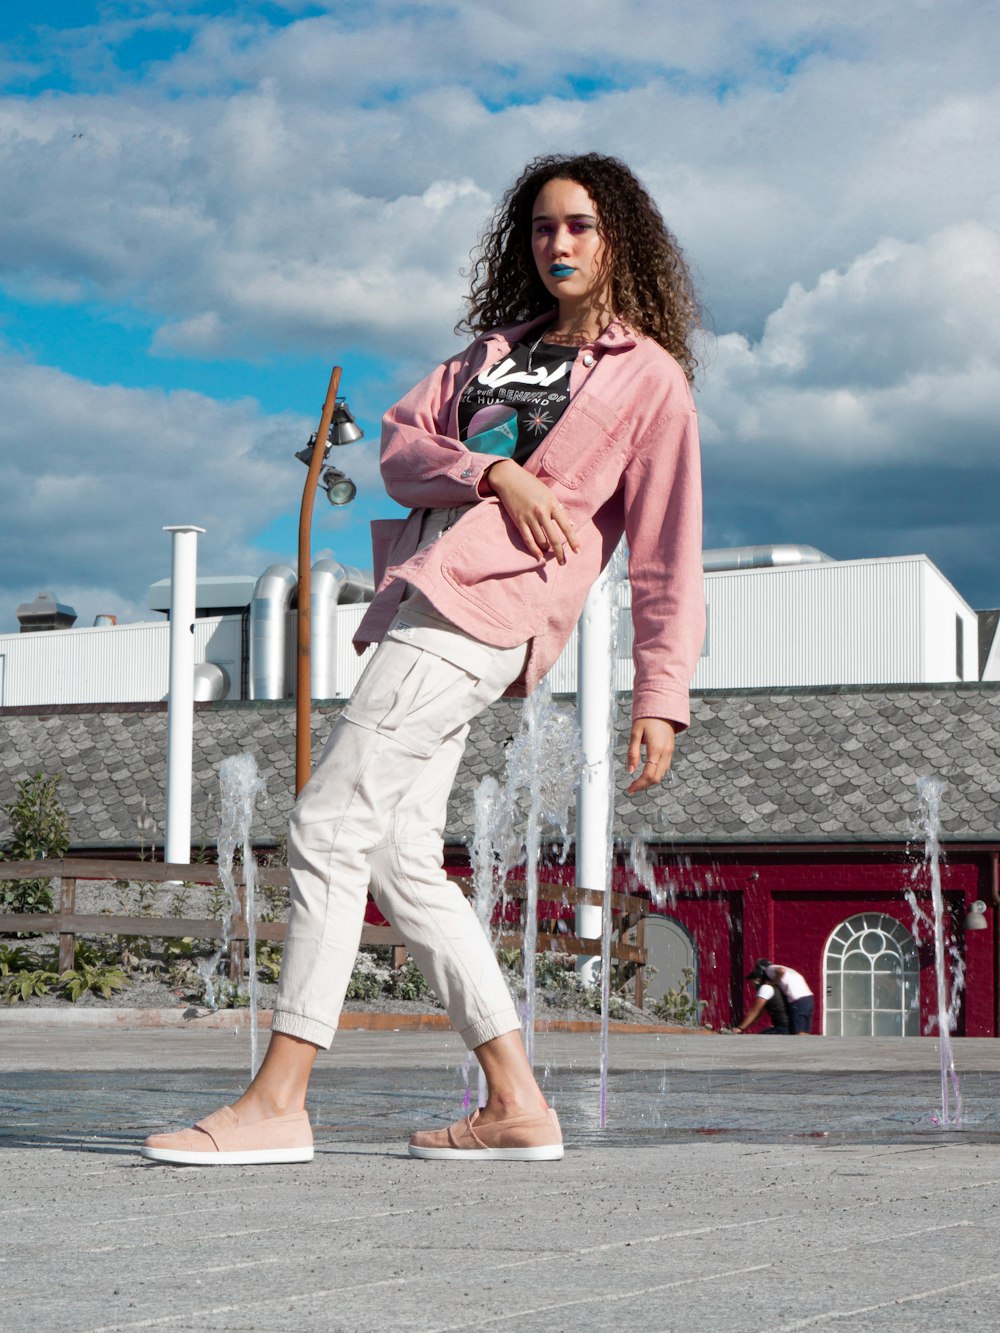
[413,697]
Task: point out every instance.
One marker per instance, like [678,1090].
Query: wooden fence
[67,923]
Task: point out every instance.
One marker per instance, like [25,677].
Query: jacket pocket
[587,438]
[489,564]
[385,533]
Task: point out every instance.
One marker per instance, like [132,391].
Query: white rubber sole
[259,1157]
[552,1152]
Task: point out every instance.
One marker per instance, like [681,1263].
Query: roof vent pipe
[761,557]
[44,613]
[332,584]
[211,682]
[272,596]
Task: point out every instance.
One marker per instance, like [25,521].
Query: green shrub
[39,828]
[408,982]
[24,982]
[678,1005]
[92,978]
[25,973]
[269,956]
[369,979]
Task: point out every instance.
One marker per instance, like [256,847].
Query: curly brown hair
[651,287]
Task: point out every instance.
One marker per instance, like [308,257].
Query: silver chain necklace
[537,343]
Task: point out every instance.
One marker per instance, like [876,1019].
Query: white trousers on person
[372,817]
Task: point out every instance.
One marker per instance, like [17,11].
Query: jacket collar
[617,337]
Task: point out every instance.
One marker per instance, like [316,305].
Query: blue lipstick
[561,271]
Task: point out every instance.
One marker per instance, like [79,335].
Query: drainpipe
[180,697]
[594,685]
[272,596]
[332,585]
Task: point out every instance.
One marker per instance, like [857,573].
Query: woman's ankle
[263,1104]
[511,1102]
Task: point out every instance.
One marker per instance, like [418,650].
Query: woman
[567,422]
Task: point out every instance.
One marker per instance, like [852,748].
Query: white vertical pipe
[594,681]
[180,699]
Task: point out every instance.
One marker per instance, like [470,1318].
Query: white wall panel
[109,664]
[845,623]
[943,642]
[852,622]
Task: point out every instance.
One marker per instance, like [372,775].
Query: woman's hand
[538,516]
[655,735]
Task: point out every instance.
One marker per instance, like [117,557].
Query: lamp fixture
[343,430]
[340,490]
[976,918]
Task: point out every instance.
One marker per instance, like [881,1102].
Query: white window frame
[871,955]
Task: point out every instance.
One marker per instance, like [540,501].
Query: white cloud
[876,363]
[89,475]
[865,419]
[318,186]
[326,180]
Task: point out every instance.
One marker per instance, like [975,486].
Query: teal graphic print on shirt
[493,430]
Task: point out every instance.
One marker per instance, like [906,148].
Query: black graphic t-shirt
[510,407]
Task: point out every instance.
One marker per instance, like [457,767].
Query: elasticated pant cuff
[494,1025]
[309,1029]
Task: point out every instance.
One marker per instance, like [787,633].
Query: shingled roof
[832,765]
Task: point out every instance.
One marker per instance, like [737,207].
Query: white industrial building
[777,616]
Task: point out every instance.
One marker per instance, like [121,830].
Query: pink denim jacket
[623,458]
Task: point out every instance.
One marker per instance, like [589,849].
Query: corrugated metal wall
[112,664]
[853,622]
[951,630]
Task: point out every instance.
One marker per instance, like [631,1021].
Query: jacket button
[588,358]
[469,472]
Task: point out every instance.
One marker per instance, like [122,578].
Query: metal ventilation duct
[332,583]
[44,613]
[211,682]
[269,605]
[761,557]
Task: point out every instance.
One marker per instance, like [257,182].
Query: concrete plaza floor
[741,1183]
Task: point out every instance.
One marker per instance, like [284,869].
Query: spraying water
[599,638]
[544,764]
[642,868]
[240,786]
[929,790]
[485,888]
[541,775]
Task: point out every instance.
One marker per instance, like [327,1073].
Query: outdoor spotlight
[343,430]
[340,490]
[976,919]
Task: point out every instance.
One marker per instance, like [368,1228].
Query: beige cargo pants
[372,817]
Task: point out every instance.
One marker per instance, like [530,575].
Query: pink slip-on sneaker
[533,1137]
[220,1140]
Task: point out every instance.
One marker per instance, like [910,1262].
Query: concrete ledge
[238,1019]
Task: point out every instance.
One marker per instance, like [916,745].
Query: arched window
[872,976]
[670,949]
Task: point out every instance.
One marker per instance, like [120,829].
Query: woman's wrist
[484,486]
[485,478]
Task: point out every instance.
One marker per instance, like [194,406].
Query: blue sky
[206,205]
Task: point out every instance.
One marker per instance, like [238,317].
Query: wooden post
[303,683]
[236,950]
[67,940]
